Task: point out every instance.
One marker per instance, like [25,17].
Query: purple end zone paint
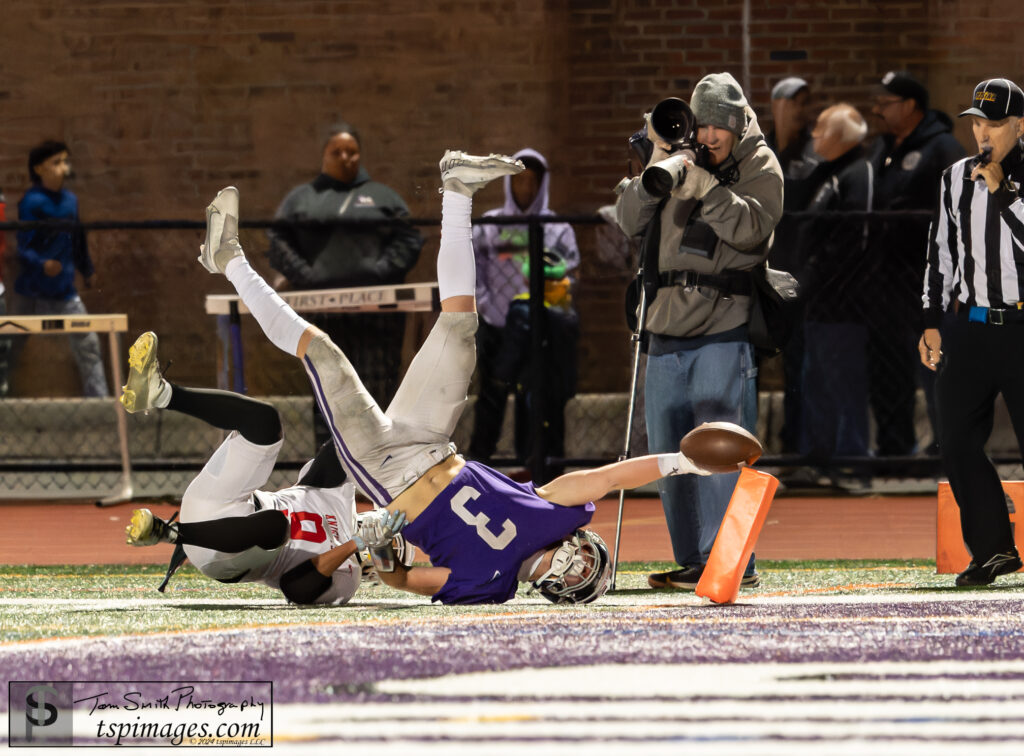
[339,663]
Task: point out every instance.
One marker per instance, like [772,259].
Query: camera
[672,122]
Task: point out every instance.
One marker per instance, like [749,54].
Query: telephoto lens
[673,121]
[661,178]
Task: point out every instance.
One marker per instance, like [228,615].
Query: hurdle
[113,324]
[416,297]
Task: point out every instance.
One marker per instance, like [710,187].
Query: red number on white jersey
[307,526]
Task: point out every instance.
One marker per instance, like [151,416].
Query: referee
[976,265]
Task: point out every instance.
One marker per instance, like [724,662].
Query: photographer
[698,245]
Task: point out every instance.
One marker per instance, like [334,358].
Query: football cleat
[467,173]
[221,243]
[146,387]
[146,529]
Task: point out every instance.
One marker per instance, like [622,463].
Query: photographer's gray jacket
[730,229]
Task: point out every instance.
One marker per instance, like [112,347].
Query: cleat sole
[140,527]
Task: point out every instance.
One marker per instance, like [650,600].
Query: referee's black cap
[996,99]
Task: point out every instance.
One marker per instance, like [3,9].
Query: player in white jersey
[301,540]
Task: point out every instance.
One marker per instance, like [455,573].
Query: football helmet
[580,572]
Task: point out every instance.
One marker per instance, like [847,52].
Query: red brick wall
[163,102]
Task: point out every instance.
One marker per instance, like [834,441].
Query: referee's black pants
[979,362]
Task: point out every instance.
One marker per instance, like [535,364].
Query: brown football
[721,447]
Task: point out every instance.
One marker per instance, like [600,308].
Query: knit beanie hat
[718,101]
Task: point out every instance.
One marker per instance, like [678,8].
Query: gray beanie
[718,101]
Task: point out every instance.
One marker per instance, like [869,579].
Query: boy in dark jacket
[49,258]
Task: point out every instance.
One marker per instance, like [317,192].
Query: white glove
[698,182]
[378,528]
[661,149]
[679,464]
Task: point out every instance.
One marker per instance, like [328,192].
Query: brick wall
[163,102]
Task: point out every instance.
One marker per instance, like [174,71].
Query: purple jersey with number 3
[482,527]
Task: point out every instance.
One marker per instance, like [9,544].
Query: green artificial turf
[39,602]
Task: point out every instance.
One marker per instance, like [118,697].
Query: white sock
[163,396]
[279,321]
[456,266]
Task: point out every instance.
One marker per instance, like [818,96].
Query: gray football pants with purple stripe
[386,452]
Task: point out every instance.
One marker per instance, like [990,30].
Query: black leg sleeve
[326,470]
[267,529]
[258,422]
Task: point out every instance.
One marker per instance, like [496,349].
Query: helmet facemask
[580,571]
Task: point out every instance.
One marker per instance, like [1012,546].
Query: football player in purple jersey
[484,533]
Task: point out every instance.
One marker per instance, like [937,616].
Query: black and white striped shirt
[976,242]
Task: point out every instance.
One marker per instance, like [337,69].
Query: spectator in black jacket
[916,145]
[326,255]
[790,139]
[835,402]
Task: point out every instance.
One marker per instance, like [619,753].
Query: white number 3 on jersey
[480,520]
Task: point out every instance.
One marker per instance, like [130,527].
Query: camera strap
[650,246]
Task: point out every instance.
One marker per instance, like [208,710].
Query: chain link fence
[847,396]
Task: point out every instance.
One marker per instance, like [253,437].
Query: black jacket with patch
[326,254]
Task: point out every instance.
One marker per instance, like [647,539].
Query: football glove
[377,529]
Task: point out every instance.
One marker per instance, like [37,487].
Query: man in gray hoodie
[699,245]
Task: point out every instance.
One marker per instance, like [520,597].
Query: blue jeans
[682,390]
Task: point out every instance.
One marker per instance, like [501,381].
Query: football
[721,447]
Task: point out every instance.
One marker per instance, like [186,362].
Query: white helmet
[584,557]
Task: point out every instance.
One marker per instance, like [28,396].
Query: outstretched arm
[425,581]
[581,486]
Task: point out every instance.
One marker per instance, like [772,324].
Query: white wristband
[679,464]
[671,464]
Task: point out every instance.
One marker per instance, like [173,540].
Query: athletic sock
[258,422]
[279,321]
[163,395]
[456,266]
[267,529]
